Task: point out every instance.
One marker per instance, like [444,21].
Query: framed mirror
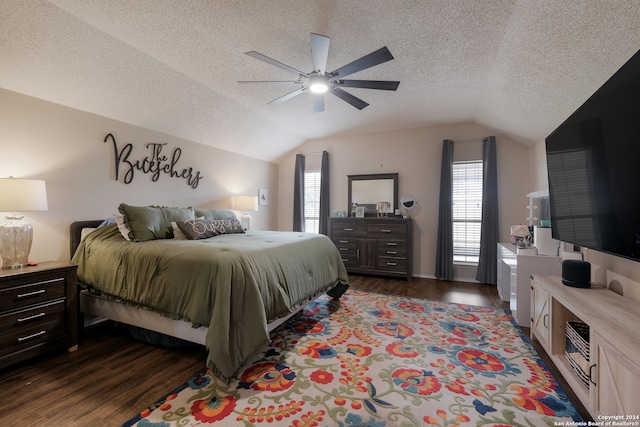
[369,190]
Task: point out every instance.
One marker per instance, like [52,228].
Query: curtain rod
[316,153]
[468,140]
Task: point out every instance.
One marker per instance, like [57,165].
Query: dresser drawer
[348,229]
[392,248]
[346,246]
[397,265]
[32,293]
[24,328]
[381,231]
[349,260]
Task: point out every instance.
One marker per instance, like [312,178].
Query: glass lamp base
[16,236]
[245,220]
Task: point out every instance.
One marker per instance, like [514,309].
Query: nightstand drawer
[24,328]
[38,310]
[32,293]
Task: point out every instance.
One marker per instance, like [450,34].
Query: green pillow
[153,222]
[215,214]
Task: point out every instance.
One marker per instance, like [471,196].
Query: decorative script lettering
[155,163]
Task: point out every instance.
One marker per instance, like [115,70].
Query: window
[311,201]
[467,211]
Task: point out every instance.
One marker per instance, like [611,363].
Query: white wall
[416,155]
[64,147]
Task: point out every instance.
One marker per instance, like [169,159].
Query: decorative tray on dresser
[382,246]
[38,311]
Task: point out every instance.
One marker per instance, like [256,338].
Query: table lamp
[16,234]
[246,204]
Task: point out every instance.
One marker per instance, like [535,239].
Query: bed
[227,291]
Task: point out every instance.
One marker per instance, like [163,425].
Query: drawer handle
[30,337]
[385,231]
[392,252]
[343,241]
[392,263]
[545,321]
[31,294]
[591,374]
[30,318]
[348,229]
[343,249]
[392,244]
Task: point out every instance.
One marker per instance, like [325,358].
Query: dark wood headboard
[76,231]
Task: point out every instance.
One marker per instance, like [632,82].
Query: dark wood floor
[111,376]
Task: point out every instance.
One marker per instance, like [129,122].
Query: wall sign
[155,163]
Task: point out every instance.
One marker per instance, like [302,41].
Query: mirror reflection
[376,193]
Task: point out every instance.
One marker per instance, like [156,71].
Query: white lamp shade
[17,195]
[246,203]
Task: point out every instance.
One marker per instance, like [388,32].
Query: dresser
[38,311]
[381,246]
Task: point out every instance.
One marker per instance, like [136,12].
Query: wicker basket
[577,349]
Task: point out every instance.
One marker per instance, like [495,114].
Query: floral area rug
[376,360]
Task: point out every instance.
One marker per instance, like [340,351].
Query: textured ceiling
[518,67]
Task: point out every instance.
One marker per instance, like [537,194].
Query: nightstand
[38,311]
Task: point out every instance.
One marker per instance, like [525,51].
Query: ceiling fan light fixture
[318,84]
[319,81]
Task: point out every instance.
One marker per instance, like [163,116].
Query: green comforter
[232,283]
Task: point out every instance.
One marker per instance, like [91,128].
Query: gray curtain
[298,194]
[487,264]
[444,251]
[324,193]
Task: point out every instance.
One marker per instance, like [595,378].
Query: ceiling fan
[320,81]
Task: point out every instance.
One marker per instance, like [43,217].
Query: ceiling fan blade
[319,52]
[288,96]
[318,102]
[278,64]
[345,96]
[271,81]
[369,84]
[374,58]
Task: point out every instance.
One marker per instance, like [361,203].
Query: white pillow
[122,227]
[85,232]
[177,233]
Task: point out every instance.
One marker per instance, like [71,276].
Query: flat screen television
[593,163]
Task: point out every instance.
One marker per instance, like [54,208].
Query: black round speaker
[576,273]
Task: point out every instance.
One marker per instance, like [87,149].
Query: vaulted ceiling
[519,67]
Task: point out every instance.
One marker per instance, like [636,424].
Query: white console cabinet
[614,342]
[514,276]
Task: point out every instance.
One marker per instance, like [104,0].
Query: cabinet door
[615,387]
[540,316]
[367,253]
